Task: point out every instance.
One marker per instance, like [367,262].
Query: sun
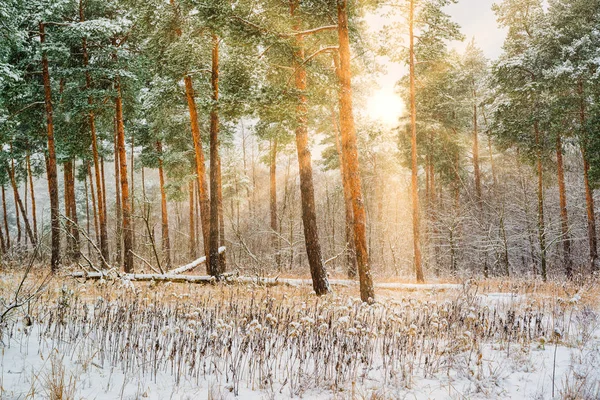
[385,106]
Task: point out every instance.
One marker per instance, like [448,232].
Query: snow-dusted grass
[124,340]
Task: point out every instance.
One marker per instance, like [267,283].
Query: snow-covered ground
[112,341]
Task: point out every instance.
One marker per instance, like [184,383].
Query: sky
[476,19]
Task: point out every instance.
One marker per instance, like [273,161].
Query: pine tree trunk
[350,157]
[564,216]
[213,259]
[166,244]
[273,202]
[51,160]
[414,184]
[307,191]
[540,194]
[125,202]
[203,197]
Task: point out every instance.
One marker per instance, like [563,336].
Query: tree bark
[564,216]
[51,160]
[213,259]
[414,188]
[203,197]
[309,216]
[15,197]
[166,244]
[125,203]
[350,157]
[71,211]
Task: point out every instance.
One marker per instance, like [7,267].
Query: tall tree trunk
[32,191]
[540,194]
[51,160]
[87,208]
[192,250]
[273,201]
[307,191]
[125,202]
[213,260]
[103,242]
[200,168]
[564,216]
[414,184]
[166,244]
[350,157]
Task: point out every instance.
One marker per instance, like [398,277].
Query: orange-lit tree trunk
[414,188]
[200,166]
[125,203]
[214,259]
[564,216]
[273,201]
[51,159]
[166,244]
[307,191]
[350,157]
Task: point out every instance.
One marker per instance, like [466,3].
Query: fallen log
[192,265]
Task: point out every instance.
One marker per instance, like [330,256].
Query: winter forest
[316,199]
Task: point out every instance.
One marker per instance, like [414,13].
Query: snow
[103,349]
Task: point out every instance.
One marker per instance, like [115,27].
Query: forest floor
[111,339]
